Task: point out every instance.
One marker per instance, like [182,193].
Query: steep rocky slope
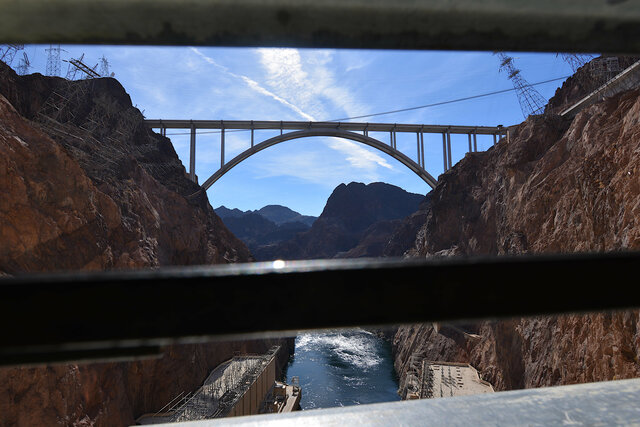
[346,221]
[95,189]
[403,236]
[112,196]
[555,187]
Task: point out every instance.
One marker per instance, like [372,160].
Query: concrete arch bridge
[358,132]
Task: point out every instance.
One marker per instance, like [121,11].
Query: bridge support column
[422,149]
[418,147]
[251,133]
[470,146]
[475,141]
[222,146]
[494,139]
[449,147]
[192,154]
[393,138]
[444,150]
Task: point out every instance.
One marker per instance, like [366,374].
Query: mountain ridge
[278,214]
[350,211]
[267,226]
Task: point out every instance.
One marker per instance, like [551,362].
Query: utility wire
[445,102]
[436,104]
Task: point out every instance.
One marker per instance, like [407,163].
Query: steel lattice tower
[86,71]
[53,60]
[104,67]
[10,53]
[531,102]
[72,69]
[23,65]
[575,60]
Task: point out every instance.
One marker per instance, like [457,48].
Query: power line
[447,102]
[436,104]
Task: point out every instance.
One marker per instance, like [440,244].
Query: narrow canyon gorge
[88,187]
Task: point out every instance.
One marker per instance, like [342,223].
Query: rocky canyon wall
[96,189]
[86,186]
[557,186]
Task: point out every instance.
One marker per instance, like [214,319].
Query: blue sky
[312,84]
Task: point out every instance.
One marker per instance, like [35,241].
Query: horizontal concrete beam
[543,25]
[298,125]
[124,313]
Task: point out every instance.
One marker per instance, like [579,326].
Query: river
[342,368]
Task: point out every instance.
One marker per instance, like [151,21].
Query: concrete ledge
[605,403]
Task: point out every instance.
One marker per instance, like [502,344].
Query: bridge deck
[347,126]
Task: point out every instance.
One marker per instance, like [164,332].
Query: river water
[342,368]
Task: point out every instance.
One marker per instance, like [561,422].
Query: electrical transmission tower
[605,68]
[104,68]
[575,60]
[531,102]
[23,65]
[77,65]
[53,60]
[9,53]
[72,70]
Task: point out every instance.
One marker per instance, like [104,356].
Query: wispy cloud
[308,81]
[310,84]
[308,88]
[311,166]
[358,156]
[254,85]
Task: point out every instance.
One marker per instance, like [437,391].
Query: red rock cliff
[96,190]
[555,187]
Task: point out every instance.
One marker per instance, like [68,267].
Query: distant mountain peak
[224,212]
[357,205]
[282,214]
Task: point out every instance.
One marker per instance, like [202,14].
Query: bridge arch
[339,133]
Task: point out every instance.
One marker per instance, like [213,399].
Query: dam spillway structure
[243,385]
[434,379]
